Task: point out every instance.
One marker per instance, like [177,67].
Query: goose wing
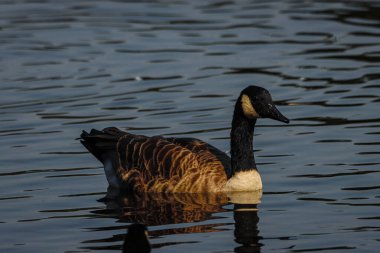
[141,163]
[207,154]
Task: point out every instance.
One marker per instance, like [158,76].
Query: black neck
[242,158]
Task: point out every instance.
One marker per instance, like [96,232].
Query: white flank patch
[244,181]
[110,172]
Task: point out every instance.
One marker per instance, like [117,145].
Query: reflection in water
[246,228]
[159,208]
[136,240]
[177,208]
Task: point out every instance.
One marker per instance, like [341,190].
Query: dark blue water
[175,68]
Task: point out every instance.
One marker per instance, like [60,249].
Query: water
[175,68]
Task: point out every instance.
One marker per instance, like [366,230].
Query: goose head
[256,102]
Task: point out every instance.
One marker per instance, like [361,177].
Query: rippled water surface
[175,68]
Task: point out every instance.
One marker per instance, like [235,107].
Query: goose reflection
[246,228]
[136,239]
[161,209]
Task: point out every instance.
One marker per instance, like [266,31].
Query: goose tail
[101,143]
[104,146]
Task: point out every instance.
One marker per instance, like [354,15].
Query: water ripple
[176,68]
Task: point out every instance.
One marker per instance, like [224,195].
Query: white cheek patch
[247,107]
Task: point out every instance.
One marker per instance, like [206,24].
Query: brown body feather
[158,164]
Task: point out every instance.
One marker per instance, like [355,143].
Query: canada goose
[136,240]
[137,163]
